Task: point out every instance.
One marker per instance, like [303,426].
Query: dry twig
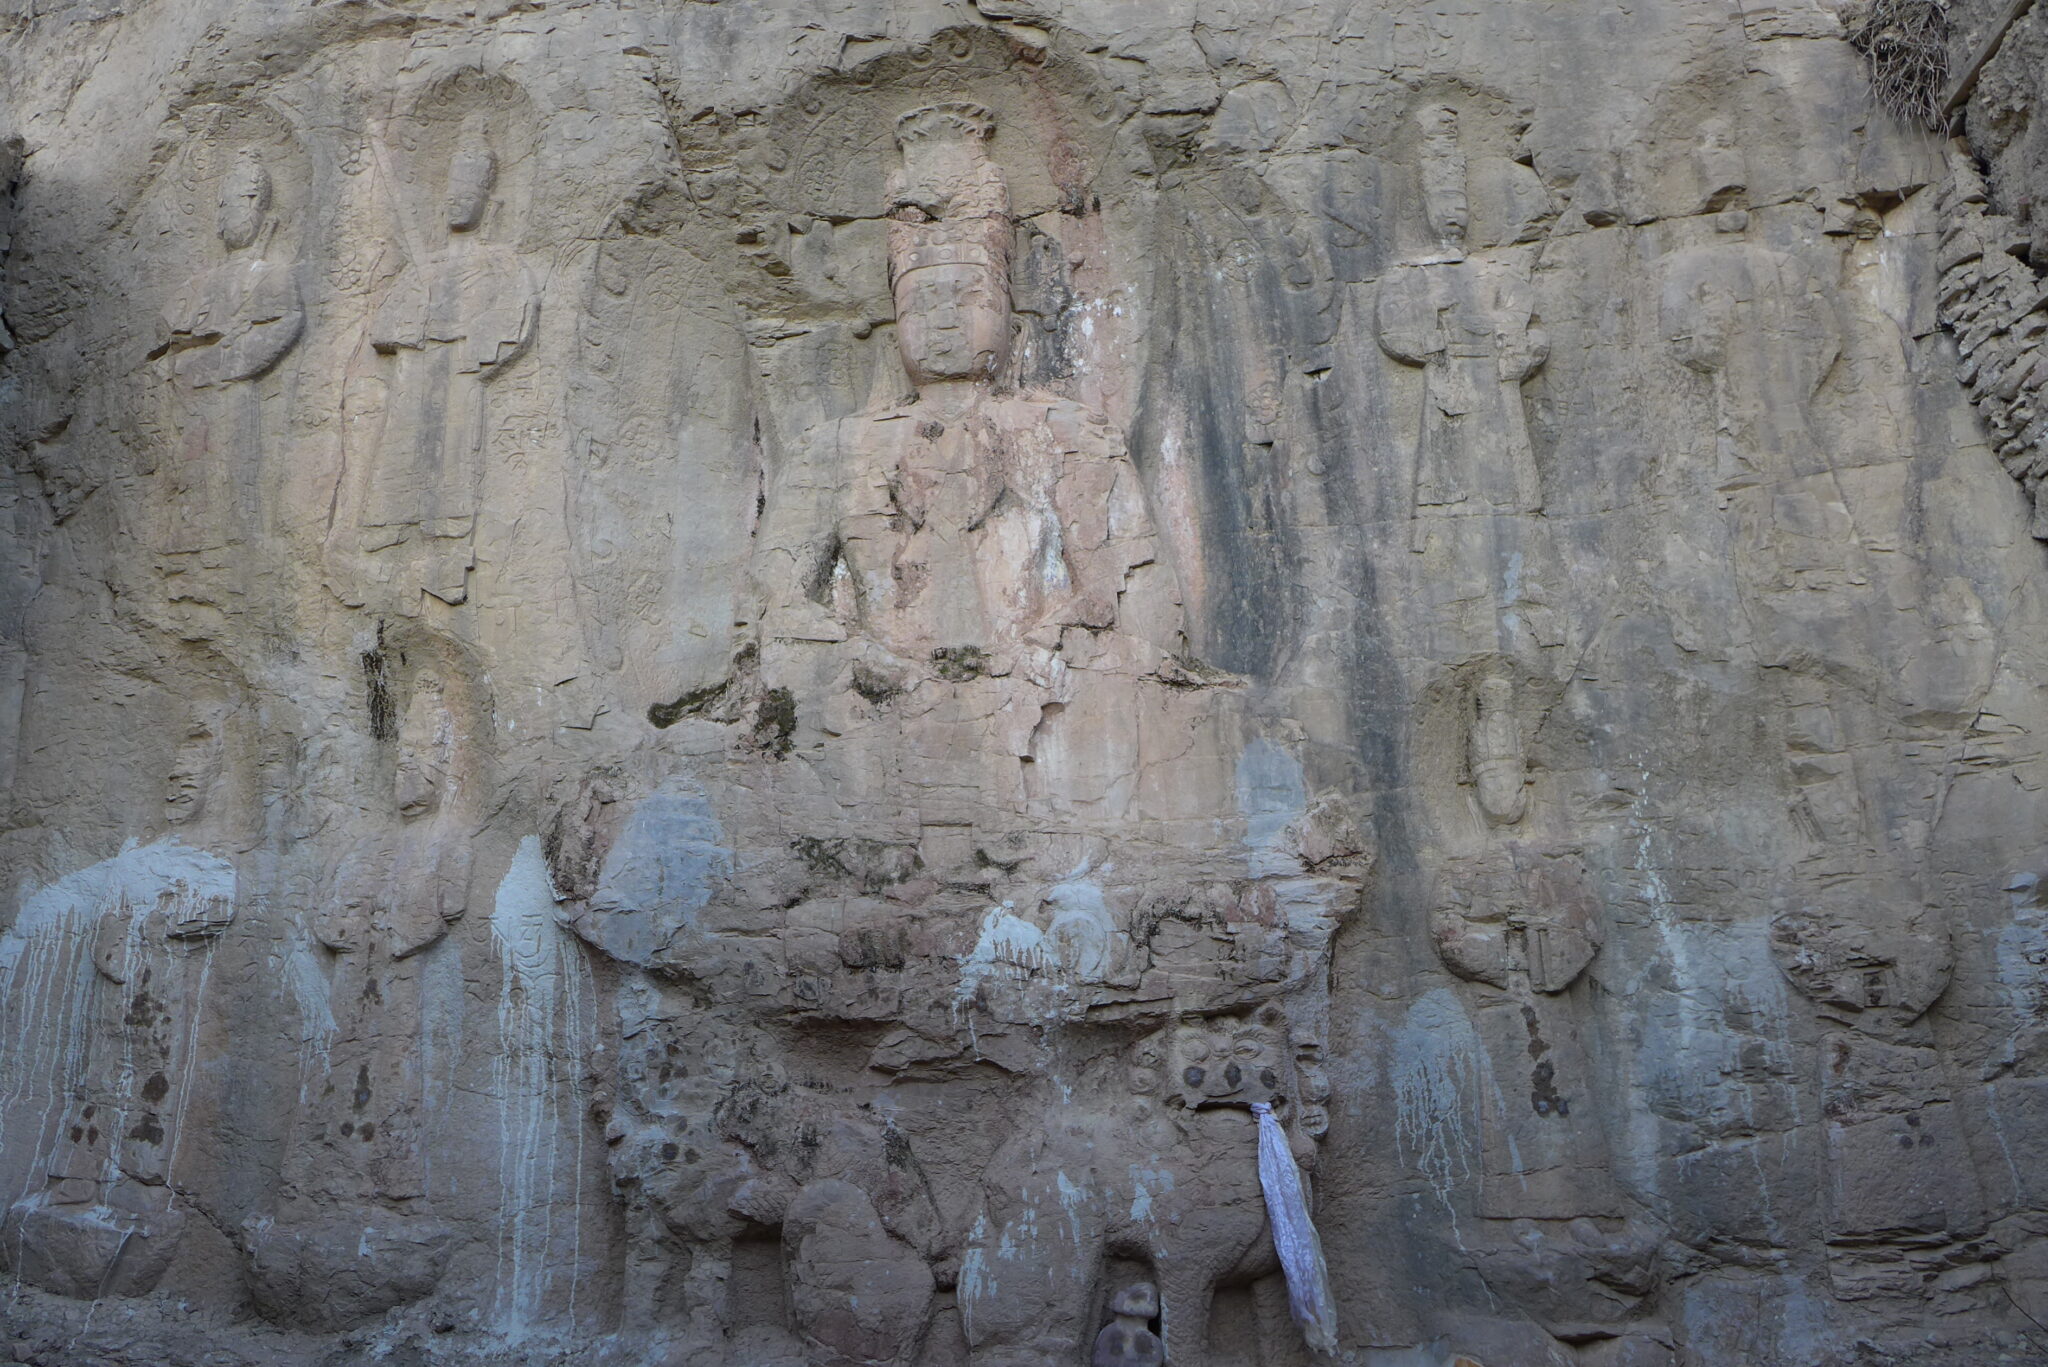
[1905,45]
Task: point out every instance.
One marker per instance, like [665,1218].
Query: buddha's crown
[920,247]
[947,120]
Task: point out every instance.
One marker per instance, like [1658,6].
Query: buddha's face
[1720,166]
[952,321]
[1140,1299]
[949,248]
[1496,698]
[244,200]
[426,741]
[1445,201]
[933,165]
[1698,324]
[471,175]
[1450,215]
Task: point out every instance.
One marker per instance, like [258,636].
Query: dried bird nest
[1905,45]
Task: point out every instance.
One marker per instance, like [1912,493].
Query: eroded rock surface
[723,685]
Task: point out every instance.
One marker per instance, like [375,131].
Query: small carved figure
[1500,767]
[1472,327]
[1759,326]
[451,325]
[1128,1340]
[227,325]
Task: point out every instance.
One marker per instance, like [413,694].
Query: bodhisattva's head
[426,745]
[1720,165]
[1443,179]
[949,247]
[244,200]
[472,175]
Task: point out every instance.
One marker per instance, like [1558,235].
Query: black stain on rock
[1544,1097]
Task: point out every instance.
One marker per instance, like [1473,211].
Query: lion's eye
[1196,1050]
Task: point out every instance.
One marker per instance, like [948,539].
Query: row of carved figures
[462,313]
[455,319]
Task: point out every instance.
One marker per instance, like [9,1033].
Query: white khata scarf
[1301,1251]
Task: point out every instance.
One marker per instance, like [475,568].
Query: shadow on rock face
[336,1271]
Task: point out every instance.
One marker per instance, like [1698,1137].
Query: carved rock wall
[719,684]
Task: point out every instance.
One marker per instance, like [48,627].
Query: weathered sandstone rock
[724,685]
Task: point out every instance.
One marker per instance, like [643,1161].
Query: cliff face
[723,684]
[2000,112]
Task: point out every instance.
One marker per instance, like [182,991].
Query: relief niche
[984,779]
[222,455]
[977,523]
[459,315]
[1471,324]
[355,1230]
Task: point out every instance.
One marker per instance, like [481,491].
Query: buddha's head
[1140,1300]
[949,246]
[244,200]
[1444,196]
[1721,167]
[472,175]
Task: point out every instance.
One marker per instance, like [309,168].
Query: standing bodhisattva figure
[230,324]
[451,325]
[1472,326]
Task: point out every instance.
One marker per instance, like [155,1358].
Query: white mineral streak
[46,960]
[1437,1070]
[48,983]
[542,999]
[824,638]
